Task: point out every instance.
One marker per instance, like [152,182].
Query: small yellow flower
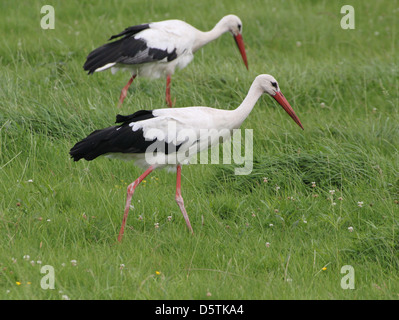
[157,273]
[29,282]
[324,268]
[18,283]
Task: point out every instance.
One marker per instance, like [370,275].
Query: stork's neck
[245,108]
[204,38]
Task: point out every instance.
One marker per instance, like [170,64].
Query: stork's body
[157,49]
[173,135]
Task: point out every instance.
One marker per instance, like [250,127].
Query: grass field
[252,240]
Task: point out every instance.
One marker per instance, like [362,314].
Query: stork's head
[233,24]
[269,85]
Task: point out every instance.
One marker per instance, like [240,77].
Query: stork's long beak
[241,47]
[279,97]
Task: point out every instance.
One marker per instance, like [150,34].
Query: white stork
[155,49]
[148,132]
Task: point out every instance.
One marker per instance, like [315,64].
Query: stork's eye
[274,84]
[239,27]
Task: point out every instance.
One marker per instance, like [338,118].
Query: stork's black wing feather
[118,139]
[137,116]
[127,50]
[131,31]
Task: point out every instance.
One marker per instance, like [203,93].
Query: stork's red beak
[241,47]
[279,97]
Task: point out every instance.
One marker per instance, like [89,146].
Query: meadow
[317,200]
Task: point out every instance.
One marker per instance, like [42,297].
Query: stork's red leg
[124,91]
[130,190]
[179,198]
[168,98]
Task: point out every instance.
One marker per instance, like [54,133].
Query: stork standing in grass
[136,136]
[156,49]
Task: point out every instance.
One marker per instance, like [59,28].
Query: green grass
[343,84]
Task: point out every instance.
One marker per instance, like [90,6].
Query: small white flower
[14,260]
[32,263]
[265,180]
[350,229]
[48,220]
[271,225]
[30,180]
[267,244]
[26,257]
[334,203]
[304,221]
[74,263]
[121,266]
[277,188]
[332,192]
[63,264]
[323,105]
[298,43]
[360,204]
[39,262]
[156,225]
[140,217]
[169,218]
[65,297]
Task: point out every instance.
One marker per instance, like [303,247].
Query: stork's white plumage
[173,135]
[156,49]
